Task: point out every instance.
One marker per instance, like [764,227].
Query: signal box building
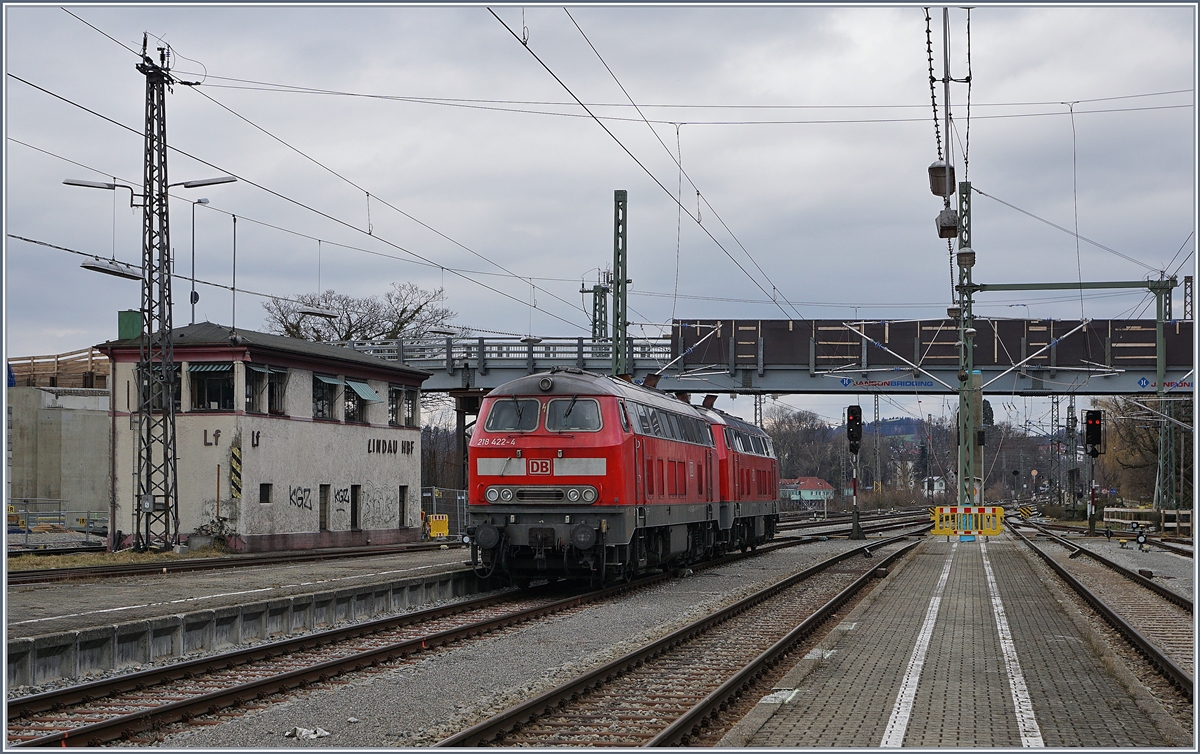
[281,443]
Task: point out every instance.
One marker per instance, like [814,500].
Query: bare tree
[405,311]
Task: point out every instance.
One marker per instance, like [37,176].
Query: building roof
[209,334]
[806,483]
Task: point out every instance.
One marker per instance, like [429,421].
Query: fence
[38,522]
[446,502]
[85,368]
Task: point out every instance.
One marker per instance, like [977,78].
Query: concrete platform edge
[741,734]
[71,654]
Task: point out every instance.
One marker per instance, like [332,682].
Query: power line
[1068,232]
[475,105]
[205,77]
[301,234]
[631,155]
[464,328]
[674,159]
[301,89]
[291,200]
[377,198]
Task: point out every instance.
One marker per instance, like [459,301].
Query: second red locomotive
[579,475]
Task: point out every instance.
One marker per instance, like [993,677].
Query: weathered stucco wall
[296,455]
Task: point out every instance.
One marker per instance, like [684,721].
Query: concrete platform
[68,629]
[943,656]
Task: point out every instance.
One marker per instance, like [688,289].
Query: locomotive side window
[655,423]
[573,415]
[643,419]
[513,415]
[758,445]
[674,430]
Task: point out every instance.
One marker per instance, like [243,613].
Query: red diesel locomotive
[578,475]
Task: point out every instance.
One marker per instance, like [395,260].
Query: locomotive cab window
[573,415]
[513,415]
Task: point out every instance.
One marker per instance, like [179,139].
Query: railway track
[122,707]
[48,575]
[664,693]
[1169,544]
[1156,621]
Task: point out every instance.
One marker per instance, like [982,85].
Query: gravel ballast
[419,704]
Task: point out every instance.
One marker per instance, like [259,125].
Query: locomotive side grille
[540,494]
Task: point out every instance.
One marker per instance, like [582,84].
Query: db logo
[539,466]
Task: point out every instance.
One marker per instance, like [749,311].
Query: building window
[354,493]
[358,395]
[412,408]
[264,493]
[403,505]
[323,503]
[324,394]
[212,387]
[276,390]
[355,406]
[256,380]
[403,406]
[395,406]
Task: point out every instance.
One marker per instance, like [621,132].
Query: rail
[1177,675]
[520,714]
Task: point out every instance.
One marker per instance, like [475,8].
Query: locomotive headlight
[573,495]
[493,494]
[589,495]
[506,494]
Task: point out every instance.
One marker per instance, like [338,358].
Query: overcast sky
[465,131]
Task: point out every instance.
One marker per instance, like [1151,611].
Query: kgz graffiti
[301,497]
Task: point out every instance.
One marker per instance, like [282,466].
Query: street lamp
[194,297]
[122,270]
[114,268]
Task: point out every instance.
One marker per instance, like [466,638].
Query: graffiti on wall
[301,497]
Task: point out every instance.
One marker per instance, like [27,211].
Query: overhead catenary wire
[369,196]
[483,104]
[1067,231]
[259,294]
[677,160]
[288,199]
[651,175]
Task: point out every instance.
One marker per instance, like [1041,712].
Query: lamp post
[156,493]
[194,298]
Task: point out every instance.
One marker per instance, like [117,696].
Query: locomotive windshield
[573,415]
[513,415]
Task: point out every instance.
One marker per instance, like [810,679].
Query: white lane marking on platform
[893,737]
[1031,734]
[214,596]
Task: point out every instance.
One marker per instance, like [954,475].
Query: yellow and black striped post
[235,471]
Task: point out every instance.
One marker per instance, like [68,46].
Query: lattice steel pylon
[157,499]
[620,285]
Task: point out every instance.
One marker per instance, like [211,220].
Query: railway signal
[1093,432]
[854,427]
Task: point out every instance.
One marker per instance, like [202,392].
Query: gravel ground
[1175,572]
[19,540]
[392,707]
